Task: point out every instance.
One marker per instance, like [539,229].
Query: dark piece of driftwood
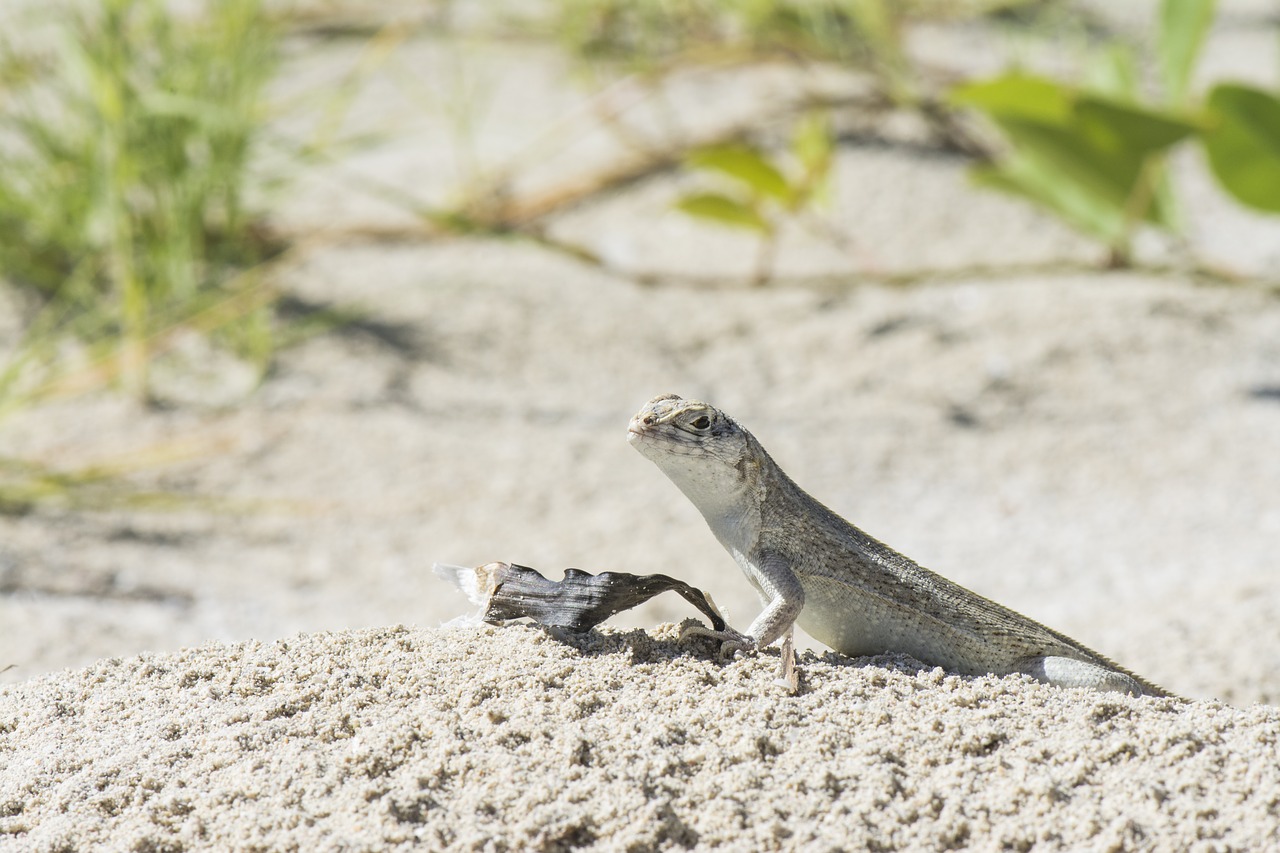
[578,603]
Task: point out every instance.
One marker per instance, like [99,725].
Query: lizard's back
[864,598]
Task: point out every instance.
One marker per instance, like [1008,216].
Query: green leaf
[1067,154]
[813,144]
[1116,126]
[1102,147]
[723,210]
[1018,96]
[1041,184]
[1082,174]
[1244,144]
[1183,26]
[1091,158]
[745,164]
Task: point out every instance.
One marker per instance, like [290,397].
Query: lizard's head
[698,446]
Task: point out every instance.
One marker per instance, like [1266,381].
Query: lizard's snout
[653,414]
[638,424]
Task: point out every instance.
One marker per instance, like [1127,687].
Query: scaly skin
[846,589]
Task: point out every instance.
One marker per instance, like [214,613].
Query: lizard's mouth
[639,434]
[636,428]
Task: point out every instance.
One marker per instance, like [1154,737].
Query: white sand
[506,738]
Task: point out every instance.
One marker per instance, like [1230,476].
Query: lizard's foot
[731,641]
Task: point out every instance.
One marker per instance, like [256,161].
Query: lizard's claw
[731,641]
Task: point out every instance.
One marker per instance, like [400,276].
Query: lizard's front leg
[783,595]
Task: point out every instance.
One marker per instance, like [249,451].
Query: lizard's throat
[726,503]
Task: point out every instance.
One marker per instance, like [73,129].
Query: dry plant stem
[505,214]
[765,251]
[1137,207]
[840,282]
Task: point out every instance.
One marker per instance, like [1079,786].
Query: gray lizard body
[845,588]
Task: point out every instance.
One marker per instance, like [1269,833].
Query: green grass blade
[1183,27]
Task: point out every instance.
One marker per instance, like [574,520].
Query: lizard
[846,589]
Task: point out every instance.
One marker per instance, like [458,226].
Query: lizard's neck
[729,498]
[735,524]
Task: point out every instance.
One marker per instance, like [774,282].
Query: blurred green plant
[110,484]
[124,159]
[645,33]
[763,192]
[25,485]
[653,30]
[1242,141]
[1095,154]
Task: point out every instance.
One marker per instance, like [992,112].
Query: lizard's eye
[701,422]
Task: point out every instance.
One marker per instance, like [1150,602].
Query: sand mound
[512,738]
